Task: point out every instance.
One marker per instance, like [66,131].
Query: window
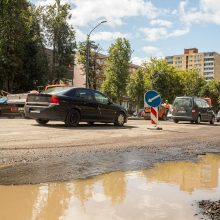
[205,104]
[71,93]
[84,94]
[208,59]
[56,90]
[178,58]
[199,103]
[183,102]
[101,98]
[209,78]
[209,64]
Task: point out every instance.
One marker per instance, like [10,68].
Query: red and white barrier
[154,115]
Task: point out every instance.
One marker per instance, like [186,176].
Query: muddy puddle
[166,191]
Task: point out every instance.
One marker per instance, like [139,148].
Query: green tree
[94,66]
[12,38]
[35,65]
[117,69]
[192,81]
[136,88]
[61,37]
[212,90]
[163,78]
[22,58]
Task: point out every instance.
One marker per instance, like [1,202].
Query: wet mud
[69,164]
[167,190]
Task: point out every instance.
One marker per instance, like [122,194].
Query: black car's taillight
[54,100]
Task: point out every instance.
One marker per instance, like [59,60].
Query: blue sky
[154,28]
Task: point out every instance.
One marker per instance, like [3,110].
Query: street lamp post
[87,52]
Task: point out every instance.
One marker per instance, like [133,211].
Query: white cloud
[104,36]
[107,36]
[152,51]
[80,36]
[86,12]
[207,12]
[47,2]
[179,32]
[154,34]
[160,22]
[138,60]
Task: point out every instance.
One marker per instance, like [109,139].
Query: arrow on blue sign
[152,98]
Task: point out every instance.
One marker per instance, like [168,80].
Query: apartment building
[77,76]
[208,63]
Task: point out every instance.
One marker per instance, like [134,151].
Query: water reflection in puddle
[165,191]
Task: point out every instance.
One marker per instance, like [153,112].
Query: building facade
[208,63]
[79,77]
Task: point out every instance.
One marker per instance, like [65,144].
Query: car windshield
[183,102]
[56,90]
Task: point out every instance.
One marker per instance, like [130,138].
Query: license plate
[182,111]
[35,111]
[20,109]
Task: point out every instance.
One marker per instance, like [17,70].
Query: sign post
[153,100]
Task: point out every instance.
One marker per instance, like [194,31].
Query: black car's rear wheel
[72,118]
[90,123]
[120,119]
[42,121]
[175,120]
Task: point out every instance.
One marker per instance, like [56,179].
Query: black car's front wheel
[120,119]
[72,118]
[42,121]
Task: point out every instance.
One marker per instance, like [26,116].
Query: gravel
[211,209]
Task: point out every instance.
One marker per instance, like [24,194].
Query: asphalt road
[55,152]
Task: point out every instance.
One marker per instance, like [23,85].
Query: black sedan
[74,105]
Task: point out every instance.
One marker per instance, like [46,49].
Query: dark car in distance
[74,105]
[192,109]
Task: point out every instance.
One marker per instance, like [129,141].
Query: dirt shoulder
[36,154]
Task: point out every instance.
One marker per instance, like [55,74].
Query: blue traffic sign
[152,98]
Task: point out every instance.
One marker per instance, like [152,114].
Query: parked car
[8,110]
[218,116]
[140,113]
[192,109]
[74,105]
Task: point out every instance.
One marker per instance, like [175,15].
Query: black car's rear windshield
[56,90]
[182,102]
